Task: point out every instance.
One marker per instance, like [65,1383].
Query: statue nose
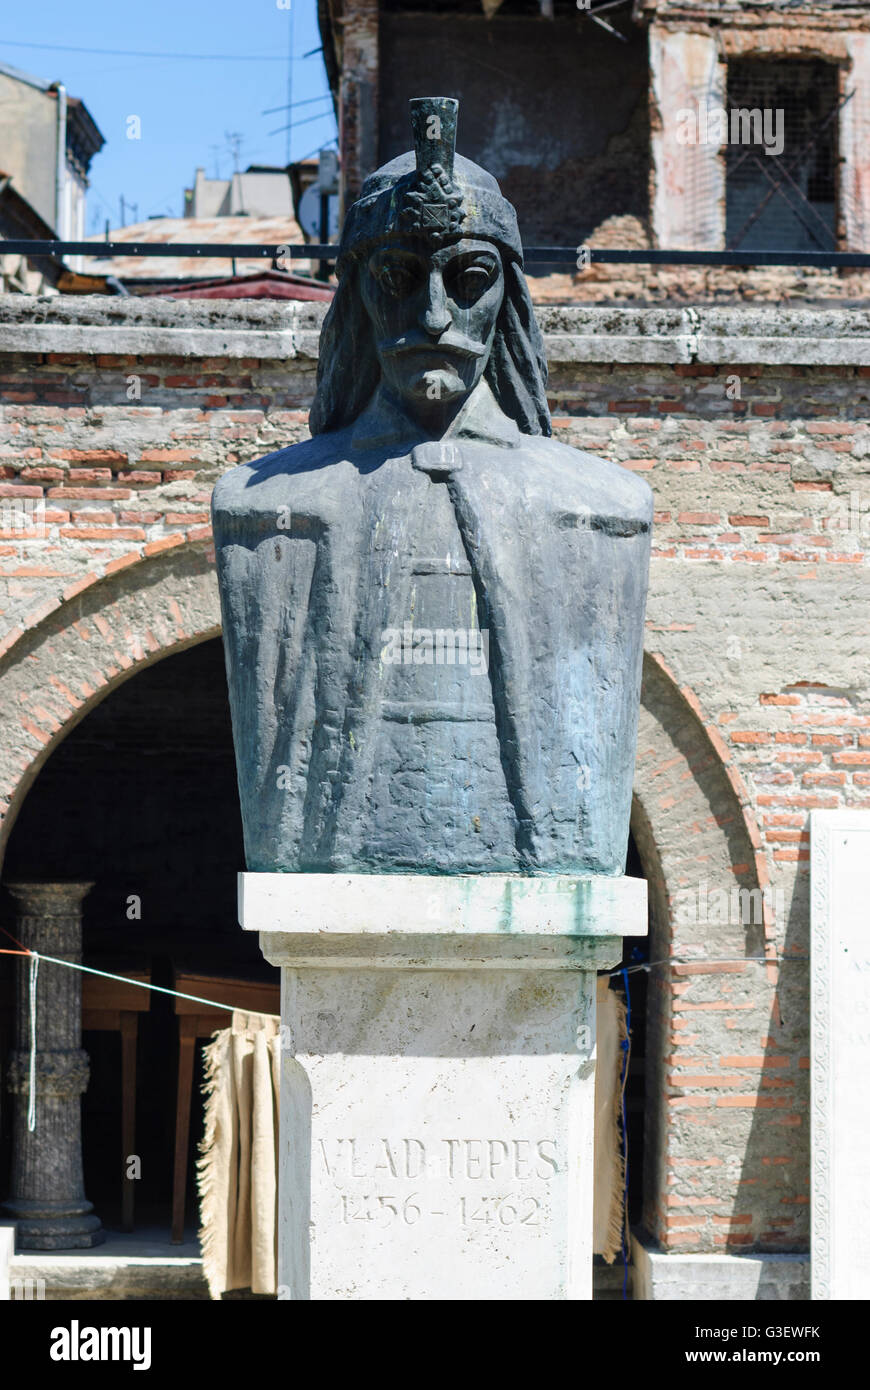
[436,315]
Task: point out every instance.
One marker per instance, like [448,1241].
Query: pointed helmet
[431,191]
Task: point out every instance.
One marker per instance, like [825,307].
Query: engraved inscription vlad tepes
[370,1178]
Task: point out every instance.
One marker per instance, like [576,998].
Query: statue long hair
[348,371]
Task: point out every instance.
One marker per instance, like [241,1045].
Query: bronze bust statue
[433,612]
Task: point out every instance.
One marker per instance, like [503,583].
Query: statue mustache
[423,342]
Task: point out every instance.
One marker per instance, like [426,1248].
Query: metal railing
[533,255]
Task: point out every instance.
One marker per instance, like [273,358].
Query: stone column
[438,1078]
[48,1198]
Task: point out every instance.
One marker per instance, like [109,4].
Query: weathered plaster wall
[854,128]
[28,140]
[753,428]
[688,180]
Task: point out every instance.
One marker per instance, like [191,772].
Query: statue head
[431,294]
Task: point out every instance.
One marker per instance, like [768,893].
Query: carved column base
[41,1225]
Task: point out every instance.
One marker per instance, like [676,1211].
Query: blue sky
[187,106]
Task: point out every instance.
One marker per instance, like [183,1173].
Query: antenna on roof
[234,139]
[290,85]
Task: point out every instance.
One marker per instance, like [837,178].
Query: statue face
[434,315]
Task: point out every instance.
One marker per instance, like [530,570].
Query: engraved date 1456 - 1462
[506,1210]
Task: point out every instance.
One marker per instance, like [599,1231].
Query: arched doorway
[141,798]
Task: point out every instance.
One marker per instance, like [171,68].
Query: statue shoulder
[312,474]
[573,476]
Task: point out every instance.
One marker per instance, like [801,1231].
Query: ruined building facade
[583,117]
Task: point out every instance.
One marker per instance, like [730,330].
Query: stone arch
[690,804]
[60,669]
[691,821]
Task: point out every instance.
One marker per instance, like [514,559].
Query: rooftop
[269,231]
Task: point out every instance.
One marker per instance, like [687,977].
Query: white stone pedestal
[438,1078]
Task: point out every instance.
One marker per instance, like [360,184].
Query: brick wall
[752,426]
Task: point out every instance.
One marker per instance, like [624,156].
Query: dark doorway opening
[141,799]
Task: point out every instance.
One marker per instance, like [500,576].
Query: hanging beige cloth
[238,1169]
[237,1172]
[608,1204]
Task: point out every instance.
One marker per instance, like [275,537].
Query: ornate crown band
[433,208]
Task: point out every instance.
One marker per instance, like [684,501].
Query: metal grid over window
[781,157]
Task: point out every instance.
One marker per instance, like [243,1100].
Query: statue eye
[473,279]
[394,277]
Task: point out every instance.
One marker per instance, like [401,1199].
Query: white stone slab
[717,1278]
[437,1081]
[387,903]
[450,922]
[840,1013]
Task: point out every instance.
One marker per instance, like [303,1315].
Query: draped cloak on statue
[324,552]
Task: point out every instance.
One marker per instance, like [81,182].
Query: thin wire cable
[15,939]
[702,960]
[140,53]
[323,146]
[289,144]
[309,101]
[309,120]
[140,984]
[620,969]
[159,989]
[36,957]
